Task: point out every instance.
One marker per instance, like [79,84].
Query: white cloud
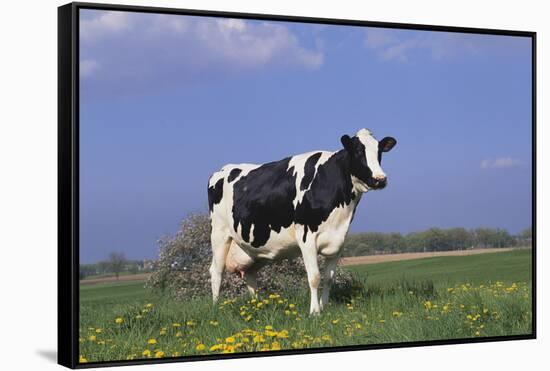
[396,44]
[106,23]
[253,44]
[134,48]
[501,162]
[88,67]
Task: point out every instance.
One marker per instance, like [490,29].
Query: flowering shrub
[182,269]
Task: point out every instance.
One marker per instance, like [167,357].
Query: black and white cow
[300,204]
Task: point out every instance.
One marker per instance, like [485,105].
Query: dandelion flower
[230,339]
[275,346]
[92,338]
[82,359]
[159,354]
[149,305]
[176,324]
[119,320]
[200,347]
[146,353]
[152,341]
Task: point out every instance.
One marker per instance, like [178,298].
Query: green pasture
[426,299]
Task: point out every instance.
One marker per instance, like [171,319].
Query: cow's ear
[387,144]
[346,142]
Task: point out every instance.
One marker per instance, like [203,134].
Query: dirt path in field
[355,260]
[124,278]
[373,259]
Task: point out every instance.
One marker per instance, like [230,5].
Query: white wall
[28,151]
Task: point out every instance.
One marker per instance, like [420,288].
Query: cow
[302,204]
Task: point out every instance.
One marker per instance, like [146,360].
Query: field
[435,298]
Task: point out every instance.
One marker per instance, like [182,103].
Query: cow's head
[365,155]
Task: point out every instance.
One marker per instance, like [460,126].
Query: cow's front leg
[328,276]
[309,253]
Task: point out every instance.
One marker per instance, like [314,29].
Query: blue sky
[166,100]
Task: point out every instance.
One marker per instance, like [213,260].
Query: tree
[526,236]
[117,260]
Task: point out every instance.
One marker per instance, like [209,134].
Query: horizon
[189,94]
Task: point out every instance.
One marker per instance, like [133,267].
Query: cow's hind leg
[328,276]
[220,246]
[250,277]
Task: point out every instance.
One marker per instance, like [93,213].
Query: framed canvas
[243,185]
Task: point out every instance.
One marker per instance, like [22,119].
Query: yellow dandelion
[176,324]
[162,332]
[98,330]
[152,341]
[146,353]
[139,316]
[287,312]
[82,359]
[292,306]
[335,321]
[397,314]
[283,334]
[229,349]
[92,338]
[230,339]
[200,347]
[216,347]
[175,354]
[178,334]
[275,346]
[149,305]
[159,354]
[214,323]
[119,320]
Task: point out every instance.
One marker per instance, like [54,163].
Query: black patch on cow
[215,194]
[233,174]
[331,188]
[263,198]
[309,170]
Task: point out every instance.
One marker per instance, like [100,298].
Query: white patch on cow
[299,163]
[371,151]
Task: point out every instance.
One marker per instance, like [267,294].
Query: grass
[428,299]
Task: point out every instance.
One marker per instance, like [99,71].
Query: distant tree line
[358,244]
[433,239]
[116,264]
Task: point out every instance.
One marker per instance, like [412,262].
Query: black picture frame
[68,178]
